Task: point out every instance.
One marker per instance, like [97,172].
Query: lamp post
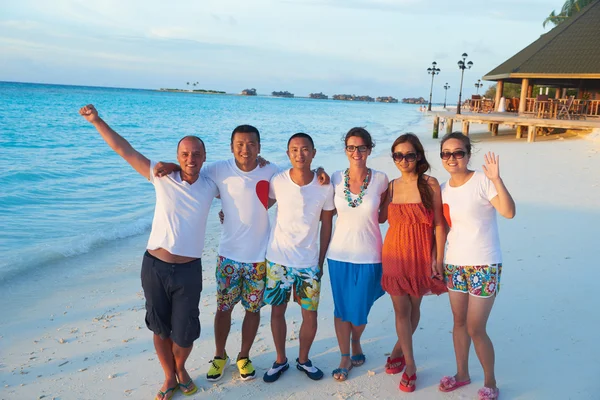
[462,66]
[446,87]
[478,85]
[433,71]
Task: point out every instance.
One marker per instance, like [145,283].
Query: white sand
[81,333]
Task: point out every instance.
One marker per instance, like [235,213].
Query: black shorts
[172,294]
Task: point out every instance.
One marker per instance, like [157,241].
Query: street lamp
[462,66]
[433,71]
[446,87]
[478,85]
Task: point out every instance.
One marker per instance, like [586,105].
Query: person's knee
[403,313]
[278,311]
[476,331]
[220,314]
[460,320]
[252,313]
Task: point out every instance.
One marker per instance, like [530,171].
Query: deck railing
[552,107]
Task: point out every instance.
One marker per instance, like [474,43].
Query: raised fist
[89,112]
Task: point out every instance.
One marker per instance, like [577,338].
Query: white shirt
[357,237]
[245,199]
[180,213]
[473,238]
[293,239]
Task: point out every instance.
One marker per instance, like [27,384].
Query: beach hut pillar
[564,93]
[499,93]
[557,93]
[449,124]
[436,126]
[465,127]
[495,129]
[531,131]
[520,129]
[523,100]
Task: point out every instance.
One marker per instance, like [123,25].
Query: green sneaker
[246,369]
[217,368]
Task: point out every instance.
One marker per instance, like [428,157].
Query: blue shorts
[355,288]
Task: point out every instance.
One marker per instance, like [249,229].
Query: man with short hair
[240,270]
[172,267]
[294,261]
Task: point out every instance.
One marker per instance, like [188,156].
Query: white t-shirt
[293,239]
[357,237]
[245,199]
[473,238]
[180,213]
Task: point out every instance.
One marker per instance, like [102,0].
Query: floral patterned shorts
[306,283]
[478,280]
[240,281]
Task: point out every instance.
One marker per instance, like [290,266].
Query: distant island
[351,97]
[319,95]
[386,99]
[414,100]
[285,93]
[248,92]
[200,91]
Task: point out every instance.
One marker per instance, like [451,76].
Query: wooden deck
[521,122]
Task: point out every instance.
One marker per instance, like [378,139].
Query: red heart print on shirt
[262,191]
[446,210]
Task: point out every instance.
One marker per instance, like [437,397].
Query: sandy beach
[79,332]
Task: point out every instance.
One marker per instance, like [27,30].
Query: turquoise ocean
[64,194]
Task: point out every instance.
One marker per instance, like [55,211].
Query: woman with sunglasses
[473,261]
[354,255]
[413,249]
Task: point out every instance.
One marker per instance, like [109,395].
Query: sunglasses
[445,155]
[409,157]
[361,149]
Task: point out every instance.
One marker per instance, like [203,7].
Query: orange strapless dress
[406,254]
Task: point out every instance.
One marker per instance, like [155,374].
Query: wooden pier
[522,123]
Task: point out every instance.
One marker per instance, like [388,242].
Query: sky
[362,47]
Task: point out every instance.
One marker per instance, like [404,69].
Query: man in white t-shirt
[240,270]
[294,258]
[171,268]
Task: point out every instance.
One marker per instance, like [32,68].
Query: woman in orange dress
[413,249]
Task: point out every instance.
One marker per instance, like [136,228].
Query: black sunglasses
[445,155]
[361,149]
[409,157]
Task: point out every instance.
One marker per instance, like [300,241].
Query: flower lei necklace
[356,202]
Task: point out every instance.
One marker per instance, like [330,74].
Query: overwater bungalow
[319,95]
[386,99]
[248,92]
[284,93]
[559,75]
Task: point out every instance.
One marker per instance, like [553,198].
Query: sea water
[65,193]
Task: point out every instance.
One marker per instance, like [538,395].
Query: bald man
[172,267]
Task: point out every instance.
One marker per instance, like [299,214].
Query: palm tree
[570,8]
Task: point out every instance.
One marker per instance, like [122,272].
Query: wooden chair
[514,103]
[476,103]
[541,106]
[565,108]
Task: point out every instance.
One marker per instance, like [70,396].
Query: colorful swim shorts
[240,281]
[306,283]
[477,280]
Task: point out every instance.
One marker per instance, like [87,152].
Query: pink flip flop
[486,393]
[449,383]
